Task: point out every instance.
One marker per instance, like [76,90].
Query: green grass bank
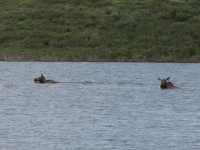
[100,30]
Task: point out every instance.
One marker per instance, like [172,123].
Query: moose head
[164,84]
[42,79]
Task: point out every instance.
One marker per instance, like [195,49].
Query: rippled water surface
[101,106]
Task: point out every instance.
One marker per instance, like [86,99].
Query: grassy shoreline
[95,31]
[72,58]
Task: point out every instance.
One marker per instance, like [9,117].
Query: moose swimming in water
[166,85]
[42,79]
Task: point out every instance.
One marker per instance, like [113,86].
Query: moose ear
[43,77]
[168,78]
[159,79]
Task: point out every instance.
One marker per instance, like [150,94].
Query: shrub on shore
[90,30]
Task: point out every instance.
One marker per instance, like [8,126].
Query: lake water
[99,106]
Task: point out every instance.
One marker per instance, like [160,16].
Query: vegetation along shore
[100,30]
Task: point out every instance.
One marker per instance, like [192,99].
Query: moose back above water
[166,85]
[42,79]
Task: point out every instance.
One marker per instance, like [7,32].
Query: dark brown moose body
[42,79]
[166,85]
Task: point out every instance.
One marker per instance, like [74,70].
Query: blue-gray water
[99,106]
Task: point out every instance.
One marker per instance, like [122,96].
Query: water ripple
[99,106]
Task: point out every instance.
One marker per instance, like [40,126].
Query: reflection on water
[99,106]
